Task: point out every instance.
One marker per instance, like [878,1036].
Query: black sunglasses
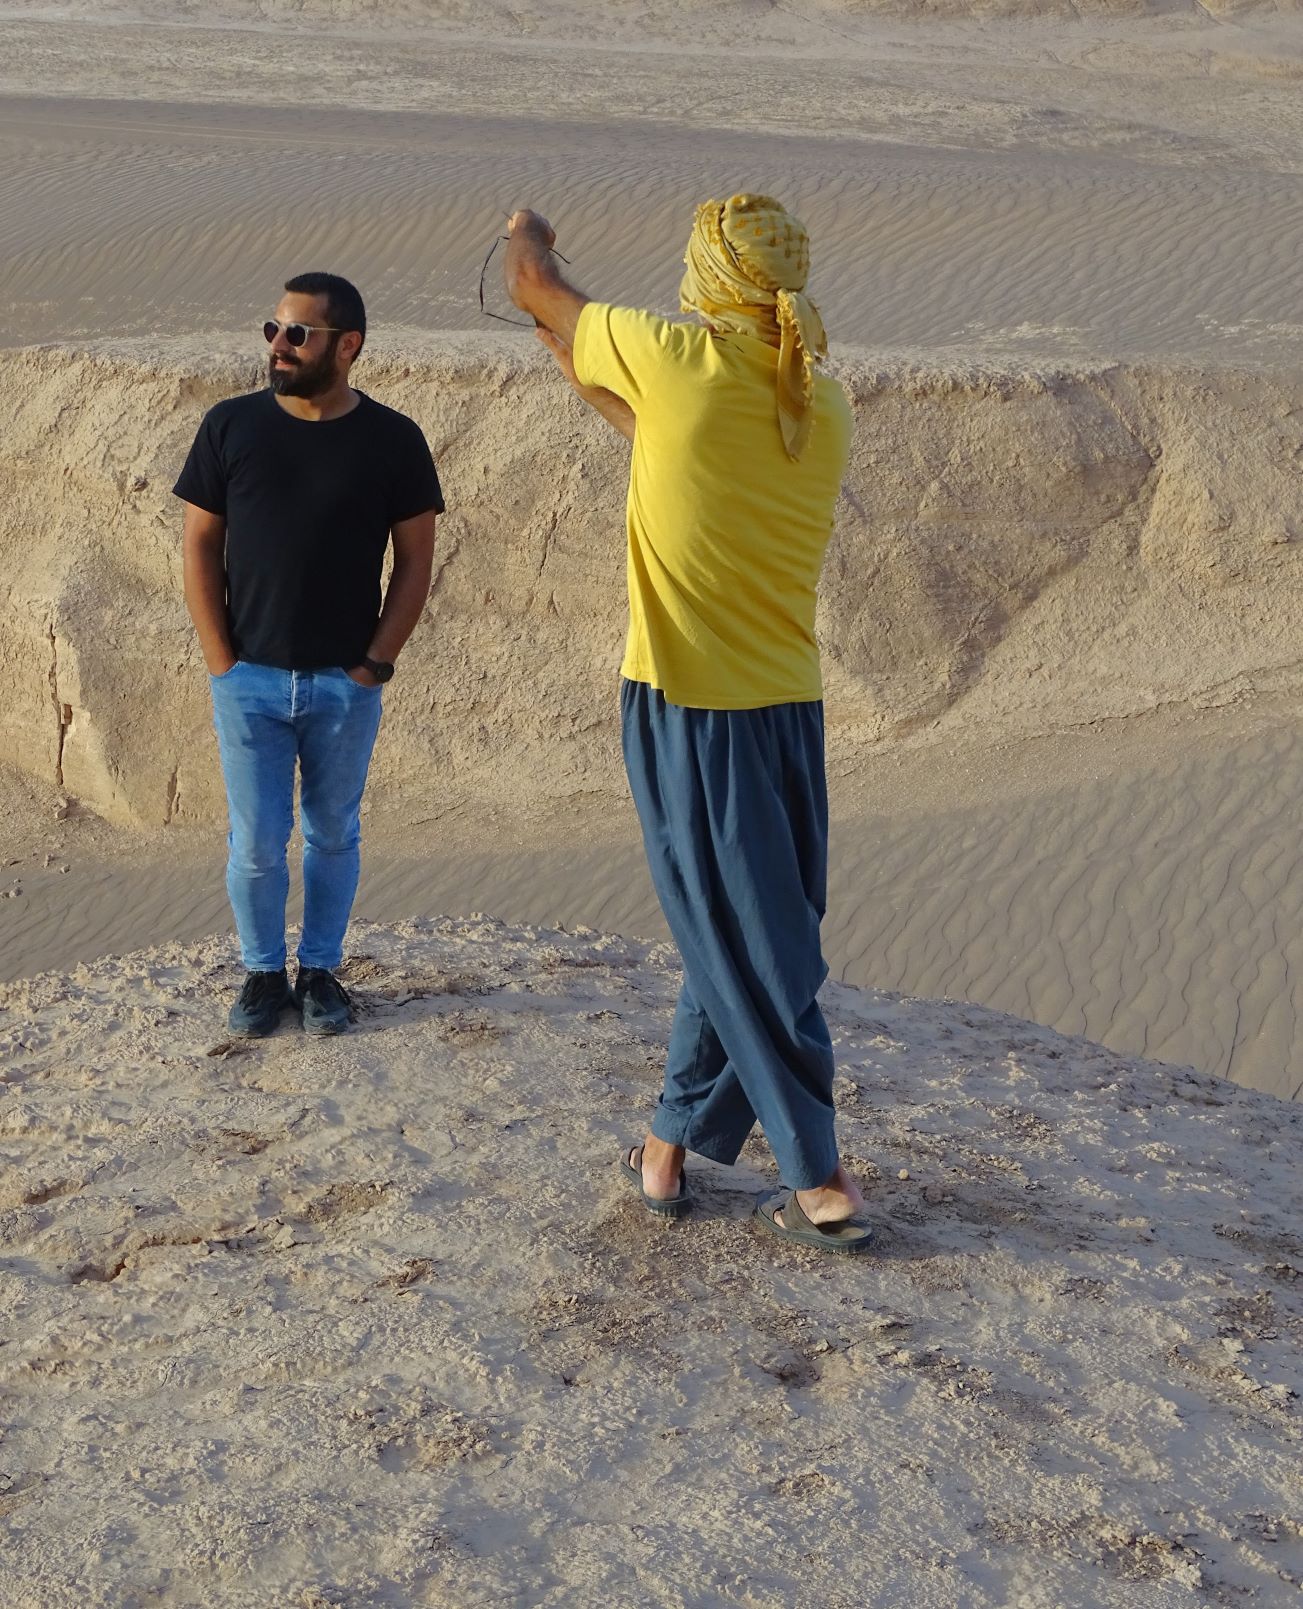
[296,334]
[502,317]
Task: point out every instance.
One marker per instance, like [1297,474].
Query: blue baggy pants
[734,813]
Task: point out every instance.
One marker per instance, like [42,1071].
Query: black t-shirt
[308,506]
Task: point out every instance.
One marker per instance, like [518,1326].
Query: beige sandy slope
[1127,183]
[378,1323]
[738,24]
[1149,898]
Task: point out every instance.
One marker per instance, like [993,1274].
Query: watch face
[381,670]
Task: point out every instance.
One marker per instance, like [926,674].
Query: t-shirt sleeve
[414,488]
[621,349]
[203,476]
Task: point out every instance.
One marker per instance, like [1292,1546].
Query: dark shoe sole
[323,1030]
[258,1030]
[253,1032]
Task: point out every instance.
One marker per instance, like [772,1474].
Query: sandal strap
[793,1215]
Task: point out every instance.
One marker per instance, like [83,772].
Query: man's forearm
[535,285]
[409,587]
[204,579]
[615,410]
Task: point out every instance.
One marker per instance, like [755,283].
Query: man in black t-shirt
[292,496]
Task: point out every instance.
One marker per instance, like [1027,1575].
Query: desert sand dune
[746,23]
[198,212]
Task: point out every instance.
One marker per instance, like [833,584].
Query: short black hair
[344,305]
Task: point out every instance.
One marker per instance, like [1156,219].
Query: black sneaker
[256,1013]
[326,1006]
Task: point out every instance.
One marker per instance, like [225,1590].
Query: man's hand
[532,225]
[363,677]
[533,280]
[530,238]
[221,666]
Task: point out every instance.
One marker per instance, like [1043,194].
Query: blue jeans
[268,721]
[734,813]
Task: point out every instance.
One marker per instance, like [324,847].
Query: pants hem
[811,1175]
[320,966]
[677,1130]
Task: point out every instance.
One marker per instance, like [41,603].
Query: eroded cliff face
[1017,551]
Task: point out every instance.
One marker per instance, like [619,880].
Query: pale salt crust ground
[376,1322]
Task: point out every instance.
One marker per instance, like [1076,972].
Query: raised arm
[535,284]
[534,281]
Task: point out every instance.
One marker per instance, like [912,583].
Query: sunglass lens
[296,334]
[269,329]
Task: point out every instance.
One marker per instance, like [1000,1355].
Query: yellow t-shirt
[726,533]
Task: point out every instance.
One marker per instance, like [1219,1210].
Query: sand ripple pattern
[134,219]
[1159,912]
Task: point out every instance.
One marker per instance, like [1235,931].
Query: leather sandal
[664,1207]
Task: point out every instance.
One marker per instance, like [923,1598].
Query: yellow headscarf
[748,261]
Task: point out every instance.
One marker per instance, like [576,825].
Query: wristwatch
[381,669]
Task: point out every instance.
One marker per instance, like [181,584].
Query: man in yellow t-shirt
[739,448]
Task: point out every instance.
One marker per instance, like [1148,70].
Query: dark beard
[305,379]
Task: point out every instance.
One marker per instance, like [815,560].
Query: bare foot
[662,1168]
[837,1198]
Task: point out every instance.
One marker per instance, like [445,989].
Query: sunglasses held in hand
[502,318]
[296,334]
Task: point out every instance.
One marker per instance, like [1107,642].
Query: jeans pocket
[226,674]
[360,687]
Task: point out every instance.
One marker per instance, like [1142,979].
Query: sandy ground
[379,1324]
[1009,228]
[1137,887]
